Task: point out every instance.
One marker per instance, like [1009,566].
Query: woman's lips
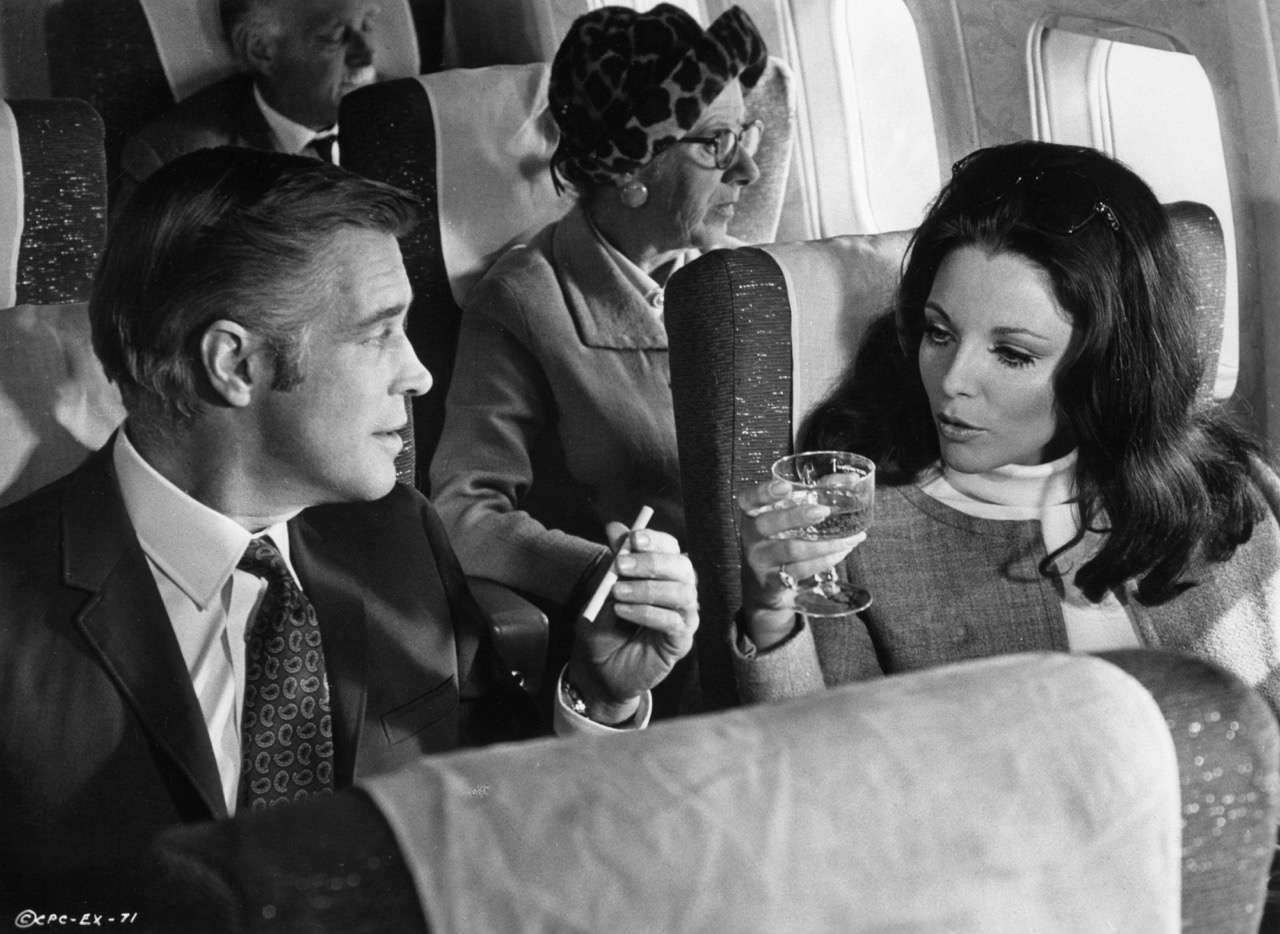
[956,429]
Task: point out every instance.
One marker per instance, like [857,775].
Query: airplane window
[1152,107]
[893,152]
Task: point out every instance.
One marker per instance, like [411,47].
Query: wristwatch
[573,700]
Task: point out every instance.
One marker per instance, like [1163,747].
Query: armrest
[519,630]
[1228,748]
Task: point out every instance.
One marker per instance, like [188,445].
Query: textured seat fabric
[759,335]
[55,402]
[328,864]
[1025,793]
[1228,748]
[56,145]
[390,136]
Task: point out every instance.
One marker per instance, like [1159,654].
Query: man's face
[322,50]
[333,437]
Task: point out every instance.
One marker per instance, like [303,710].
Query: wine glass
[846,484]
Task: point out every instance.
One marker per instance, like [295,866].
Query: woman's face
[691,203]
[994,335]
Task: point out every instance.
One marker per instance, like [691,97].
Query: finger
[674,595]
[653,565]
[762,497]
[650,540]
[676,626]
[804,569]
[790,550]
[615,534]
[779,520]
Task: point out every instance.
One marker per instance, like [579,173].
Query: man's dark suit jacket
[223,114]
[102,740]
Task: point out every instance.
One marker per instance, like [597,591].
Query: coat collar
[126,626]
[608,310]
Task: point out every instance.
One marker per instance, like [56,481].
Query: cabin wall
[983,48]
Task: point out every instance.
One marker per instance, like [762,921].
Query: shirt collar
[641,280]
[292,137]
[194,546]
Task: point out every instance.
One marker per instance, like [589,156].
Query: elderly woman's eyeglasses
[1058,200]
[722,147]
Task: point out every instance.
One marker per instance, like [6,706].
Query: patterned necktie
[323,146]
[286,740]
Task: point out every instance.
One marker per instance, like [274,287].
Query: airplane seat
[134,59]
[873,806]
[739,320]
[483,191]
[56,404]
[391,134]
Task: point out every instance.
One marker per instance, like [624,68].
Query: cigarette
[611,576]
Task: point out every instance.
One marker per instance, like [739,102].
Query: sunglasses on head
[1058,200]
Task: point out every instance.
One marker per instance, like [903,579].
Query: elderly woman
[1048,479]
[559,416]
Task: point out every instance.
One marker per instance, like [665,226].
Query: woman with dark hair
[559,414]
[1047,477]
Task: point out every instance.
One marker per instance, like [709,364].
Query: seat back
[475,146]
[759,336]
[1228,747]
[55,402]
[134,59]
[1030,792]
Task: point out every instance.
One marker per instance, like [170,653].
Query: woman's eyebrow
[1023,332]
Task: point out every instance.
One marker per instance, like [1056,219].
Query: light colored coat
[949,586]
[559,416]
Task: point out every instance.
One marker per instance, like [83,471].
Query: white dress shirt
[193,552]
[289,136]
[1045,493]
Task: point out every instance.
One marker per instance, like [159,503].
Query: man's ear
[256,47]
[234,362]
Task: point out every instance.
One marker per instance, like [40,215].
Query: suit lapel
[126,626]
[340,610]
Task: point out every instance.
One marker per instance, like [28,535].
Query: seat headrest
[53,200]
[836,287]
[494,140]
[188,37]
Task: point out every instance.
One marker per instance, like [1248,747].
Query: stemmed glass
[846,484]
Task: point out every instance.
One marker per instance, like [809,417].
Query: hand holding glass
[846,484]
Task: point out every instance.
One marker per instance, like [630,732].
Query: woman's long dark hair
[1160,472]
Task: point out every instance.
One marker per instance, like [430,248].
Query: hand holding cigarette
[640,620]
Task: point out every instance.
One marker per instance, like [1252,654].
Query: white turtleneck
[1044,493]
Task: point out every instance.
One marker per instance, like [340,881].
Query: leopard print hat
[626,85]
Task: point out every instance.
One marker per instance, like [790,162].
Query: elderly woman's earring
[634,192]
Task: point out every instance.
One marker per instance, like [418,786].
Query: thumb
[617,533]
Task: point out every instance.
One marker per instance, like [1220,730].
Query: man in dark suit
[300,57]
[233,604]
